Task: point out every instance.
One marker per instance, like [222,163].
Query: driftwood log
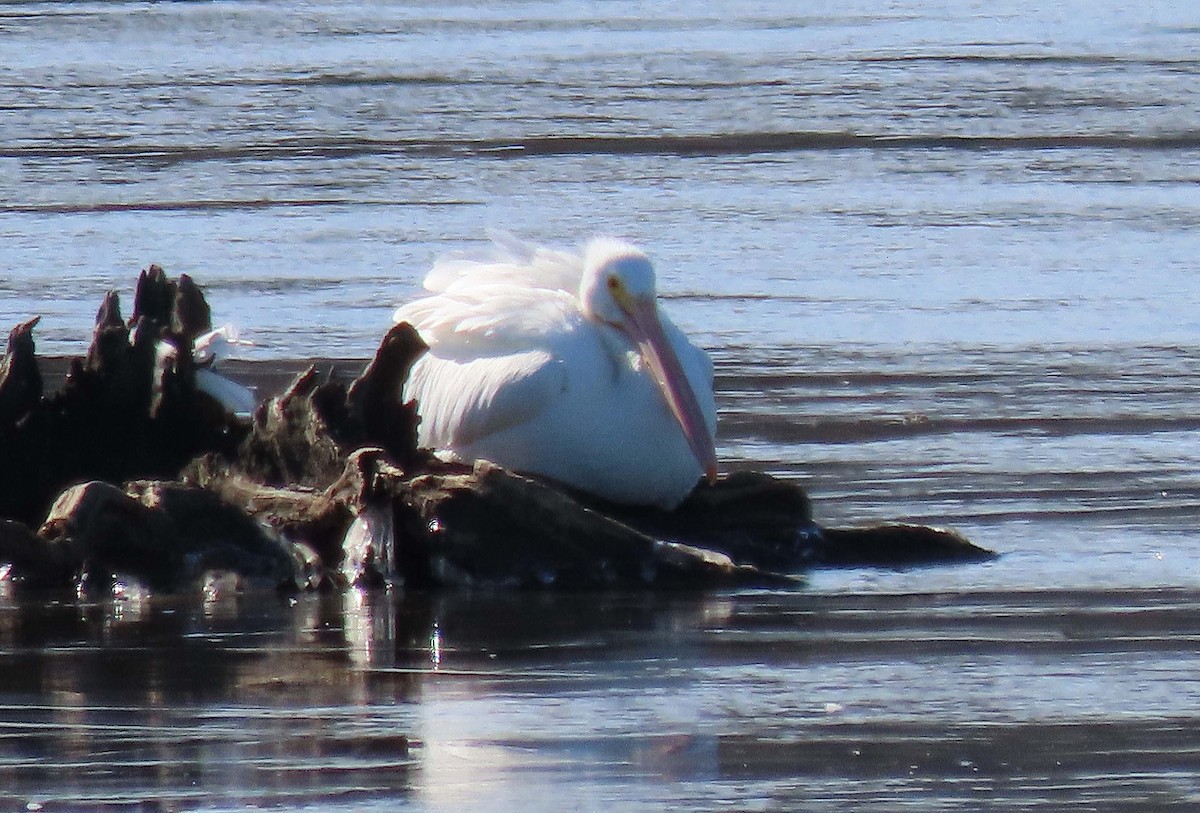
[130,471]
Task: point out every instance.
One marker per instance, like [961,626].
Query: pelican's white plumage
[207,349]
[561,364]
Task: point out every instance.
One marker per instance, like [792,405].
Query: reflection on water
[180,703]
[369,700]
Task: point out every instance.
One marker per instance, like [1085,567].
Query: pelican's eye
[613,283]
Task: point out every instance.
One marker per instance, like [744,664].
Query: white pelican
[562,365]
[207,348]
[210,347]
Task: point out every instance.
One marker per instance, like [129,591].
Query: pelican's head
[614,274]
[618,289]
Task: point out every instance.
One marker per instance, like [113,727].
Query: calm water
[944,256]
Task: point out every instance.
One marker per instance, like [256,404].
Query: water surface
[944,258]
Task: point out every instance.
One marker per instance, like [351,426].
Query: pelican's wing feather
[492,320]
[507,260]
[462,402]
[507,299]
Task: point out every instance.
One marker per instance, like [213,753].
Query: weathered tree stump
[20,378]
[32,560]
[163,534]
[326,485]
[129,410]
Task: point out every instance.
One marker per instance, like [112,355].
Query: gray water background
[944,256]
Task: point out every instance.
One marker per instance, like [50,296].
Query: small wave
[206,205]
[785,430]
[1053,59]
[159,206]
[712,144]
[747,143]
